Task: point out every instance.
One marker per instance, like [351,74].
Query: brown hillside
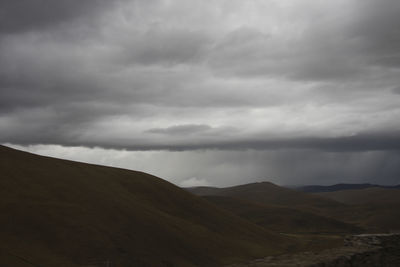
[282,219]
[376,209]
[365,196]
[378,212]
[271,194]
[62,213]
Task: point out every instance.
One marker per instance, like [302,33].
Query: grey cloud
[389,141]
[158,45]
[28,15]
[362,142]
[248,52]
[181,129]
[376,26]
[343,45]
[48,73]
[396,90]
[196,130]
[152,75]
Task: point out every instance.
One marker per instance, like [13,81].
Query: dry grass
[63,213]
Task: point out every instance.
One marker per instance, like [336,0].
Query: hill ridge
[66,213]
[339,187]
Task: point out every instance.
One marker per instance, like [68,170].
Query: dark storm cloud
[396,90]
[65,135]
[162,46]
[249,52]
[30,15]
[339,45]
[315,55]
[241,77]
[376,26]
[181,129]
[362,142]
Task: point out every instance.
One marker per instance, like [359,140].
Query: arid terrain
[359,250]
[64,213]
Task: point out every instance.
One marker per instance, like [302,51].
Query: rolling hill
[305,216]
[63,213]
[374,208]
[271,194]
[282,219]
[365,196]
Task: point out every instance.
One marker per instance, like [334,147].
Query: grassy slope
[271,194]
[62,213]
[376,209]
[281,219]
[294,213]
[365,196]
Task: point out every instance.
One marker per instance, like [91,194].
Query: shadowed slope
[63,213]
[375,208]
[365,196]
[281,219]
[270,194]
[294,213]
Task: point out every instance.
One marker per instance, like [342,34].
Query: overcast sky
[207,92]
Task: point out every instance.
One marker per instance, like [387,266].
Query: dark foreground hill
[63,213]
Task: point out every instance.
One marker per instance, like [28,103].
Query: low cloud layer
[226,168]
[206,77]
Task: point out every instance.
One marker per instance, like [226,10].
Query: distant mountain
[338,187]
[270,194]
[62,213]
